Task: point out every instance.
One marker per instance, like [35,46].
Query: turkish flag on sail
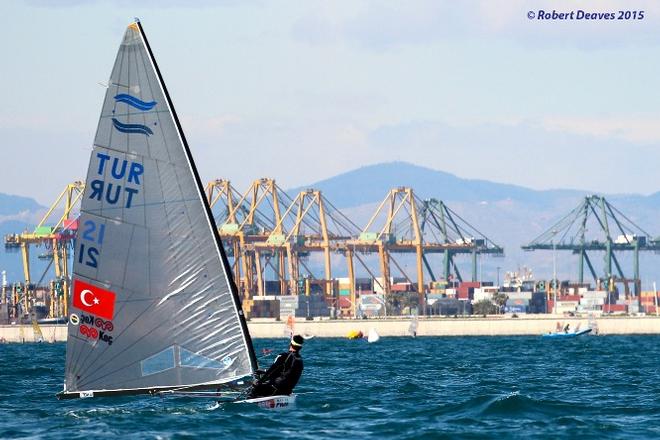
[93,299]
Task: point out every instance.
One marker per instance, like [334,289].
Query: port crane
[440,224]
[405,224]
[55,232]
[595,225]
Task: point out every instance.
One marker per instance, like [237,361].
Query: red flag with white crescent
[93,299]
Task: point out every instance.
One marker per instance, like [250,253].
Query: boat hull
[566,335]
[272,402]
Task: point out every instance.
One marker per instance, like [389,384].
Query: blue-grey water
[504,387]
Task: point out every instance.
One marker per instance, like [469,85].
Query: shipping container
[43,230]
[70,224]
[650,309]
[402,287]
[520,295]
[448,307]
[517,302]
[594,294]
[611,308]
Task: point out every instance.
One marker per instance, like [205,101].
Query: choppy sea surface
[404,388]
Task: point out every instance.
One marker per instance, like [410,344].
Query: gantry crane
[56,232]
[243,221]
[596,225]
[309,224]
[440,224]
[410,225]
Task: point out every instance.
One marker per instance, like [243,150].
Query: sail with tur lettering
[153,305]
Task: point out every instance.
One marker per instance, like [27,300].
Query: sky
[301,91]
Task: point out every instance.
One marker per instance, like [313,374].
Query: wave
[135,102]
[132,128]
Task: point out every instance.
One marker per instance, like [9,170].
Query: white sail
[153,303]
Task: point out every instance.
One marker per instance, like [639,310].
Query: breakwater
[489,326]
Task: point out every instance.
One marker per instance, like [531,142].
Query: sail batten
[153,302]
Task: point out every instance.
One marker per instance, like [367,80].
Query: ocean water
[474,387]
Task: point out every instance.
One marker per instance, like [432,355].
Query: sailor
[568,326]
[282,377]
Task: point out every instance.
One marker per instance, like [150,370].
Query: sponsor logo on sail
[93,299]
[96,328]
[73,319]
[131,128]
[135,102]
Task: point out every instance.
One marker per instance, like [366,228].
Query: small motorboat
[570,334]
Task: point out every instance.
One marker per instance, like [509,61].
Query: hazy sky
[304,90]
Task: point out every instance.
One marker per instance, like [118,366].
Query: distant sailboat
[412,328]
[154,308]
[373,336]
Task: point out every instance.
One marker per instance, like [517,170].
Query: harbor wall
[491,326]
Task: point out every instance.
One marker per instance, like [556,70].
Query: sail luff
[209,216]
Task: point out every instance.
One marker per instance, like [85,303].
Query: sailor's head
[296,343]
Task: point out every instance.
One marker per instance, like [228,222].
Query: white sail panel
[152,303]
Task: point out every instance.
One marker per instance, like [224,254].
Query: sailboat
[154,308]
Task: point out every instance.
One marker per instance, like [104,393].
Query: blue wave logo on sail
[134,102]
[132,128]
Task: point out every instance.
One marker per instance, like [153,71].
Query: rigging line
[633,224]
[546,235]
[50,263]
[466,223]
[334,208]
[600,221]
[573,220]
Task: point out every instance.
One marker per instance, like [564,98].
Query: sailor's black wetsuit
[281,378]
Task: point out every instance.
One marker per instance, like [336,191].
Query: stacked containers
[448,307]
[465,290]
[344,286]
[303,306]
[537,304]
[517,305]
[615,308]
[265,307]
[364,285]
[648,301]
